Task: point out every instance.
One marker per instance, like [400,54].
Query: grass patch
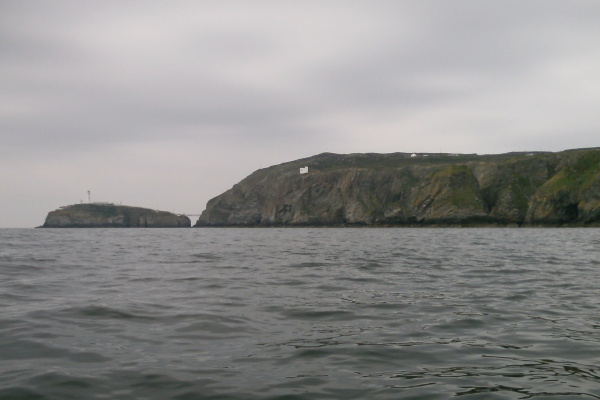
[579,173]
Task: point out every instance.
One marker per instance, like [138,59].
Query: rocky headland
[403,189]
[107,215]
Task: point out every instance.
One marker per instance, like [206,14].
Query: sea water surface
[299,313]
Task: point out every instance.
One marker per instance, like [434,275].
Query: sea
[300,313]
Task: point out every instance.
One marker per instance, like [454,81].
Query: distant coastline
[519,189]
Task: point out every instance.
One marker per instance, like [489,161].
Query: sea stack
[108,215]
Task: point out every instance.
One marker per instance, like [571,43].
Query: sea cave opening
[571,212]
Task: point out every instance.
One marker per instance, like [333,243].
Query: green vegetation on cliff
[401,189]
[572,195]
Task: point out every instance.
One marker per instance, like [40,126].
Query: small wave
[460,324]
[22,393]
[515,271]
[330,315]
[361,279]
[105,312]
[371,266]
[218,325]
[207,256]
[306,265]
[387,306]
[21,269]
[19,349]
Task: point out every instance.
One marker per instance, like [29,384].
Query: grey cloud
[268,81]
[468,42]
[490,46]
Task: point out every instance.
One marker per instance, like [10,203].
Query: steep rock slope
[572,195]
[423,189]
[94,215]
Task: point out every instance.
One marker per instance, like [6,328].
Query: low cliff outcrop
[531,189]
[106,215]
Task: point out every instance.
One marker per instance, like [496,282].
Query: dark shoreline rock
[107,215]
[404,190]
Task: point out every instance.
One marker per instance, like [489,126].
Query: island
[108,215]
[416,189]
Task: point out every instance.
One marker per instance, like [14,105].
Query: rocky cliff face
[426,189]
[113,216]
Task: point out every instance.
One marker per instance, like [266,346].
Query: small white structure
[413,155]
[304,170]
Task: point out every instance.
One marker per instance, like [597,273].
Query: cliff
[400,189]
[106,215]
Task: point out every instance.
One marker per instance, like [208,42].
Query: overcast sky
[166,104]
